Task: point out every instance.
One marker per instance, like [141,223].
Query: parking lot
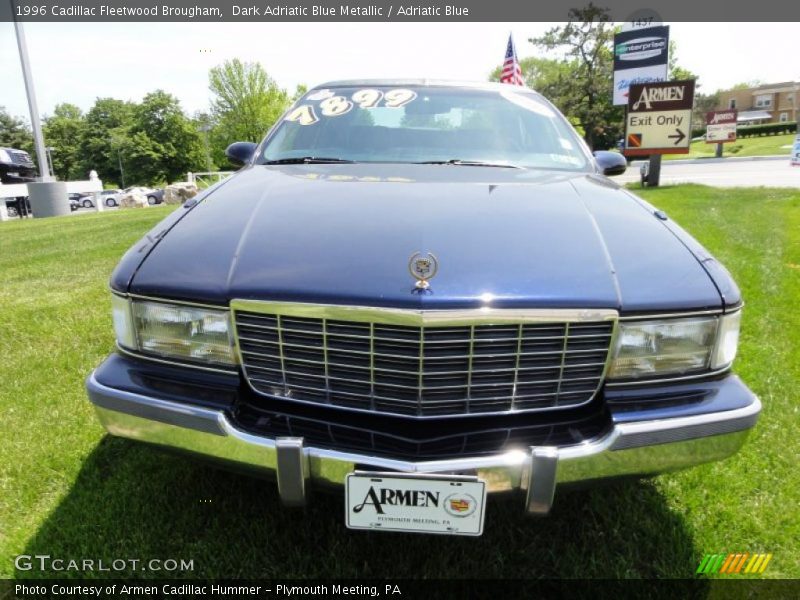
[728,172]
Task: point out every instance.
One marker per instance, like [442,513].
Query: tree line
[154,141]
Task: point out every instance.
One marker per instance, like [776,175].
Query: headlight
[727,340]
[674,346]
[175,331]
[123,325]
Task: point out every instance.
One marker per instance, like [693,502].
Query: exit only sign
[659,118]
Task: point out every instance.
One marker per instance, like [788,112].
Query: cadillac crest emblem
[423,268]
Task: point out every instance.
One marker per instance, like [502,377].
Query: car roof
[477,85]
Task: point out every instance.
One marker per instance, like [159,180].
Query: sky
[78,62]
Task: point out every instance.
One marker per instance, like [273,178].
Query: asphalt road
[730,172]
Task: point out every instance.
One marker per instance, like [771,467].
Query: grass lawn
[768,145]
[66,490]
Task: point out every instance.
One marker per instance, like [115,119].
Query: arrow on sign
[679,137]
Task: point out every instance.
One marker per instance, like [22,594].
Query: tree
[204,123]
[703,103]
[583,89]
[163,144]
[14,132]
[106,125]
[677,72]
[63,132]
[141,144]
[245,103]
[538,73]
[549,77]
[746,85]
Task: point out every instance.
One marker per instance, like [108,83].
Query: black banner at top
[390,10]
[641,48]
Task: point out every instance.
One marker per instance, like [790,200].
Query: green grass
[768,145]
[69,491]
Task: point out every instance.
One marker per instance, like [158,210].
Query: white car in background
[111,197]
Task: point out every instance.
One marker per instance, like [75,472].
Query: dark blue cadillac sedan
[422,292]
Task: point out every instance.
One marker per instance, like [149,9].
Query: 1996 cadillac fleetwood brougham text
[425,292]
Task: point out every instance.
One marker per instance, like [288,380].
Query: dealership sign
[721,126]
[659,119]
[640,56]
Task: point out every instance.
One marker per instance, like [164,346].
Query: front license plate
[426,504]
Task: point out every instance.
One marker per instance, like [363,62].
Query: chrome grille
[425,370]
[20,158]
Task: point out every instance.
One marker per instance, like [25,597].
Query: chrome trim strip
[421,318]
[517,361]
[610,383]
[564,351]
[674,315]
[164,361]
[471,356]
[651,433]
[220,307]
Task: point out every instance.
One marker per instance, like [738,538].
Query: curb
[708,161]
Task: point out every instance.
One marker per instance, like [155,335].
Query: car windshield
[513,127]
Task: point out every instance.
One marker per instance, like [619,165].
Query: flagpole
[33,107]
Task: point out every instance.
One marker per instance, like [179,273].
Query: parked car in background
[110,197]
[82,200]
[16,166]
[500,316]
[137,189]
[155,197]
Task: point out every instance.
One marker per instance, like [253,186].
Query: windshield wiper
[469,163]
[304,160]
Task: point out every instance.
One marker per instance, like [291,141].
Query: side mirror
[610,163]
[240,153]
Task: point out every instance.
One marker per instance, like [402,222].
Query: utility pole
[121,172]
[205,128]
[50,159]
[41,154]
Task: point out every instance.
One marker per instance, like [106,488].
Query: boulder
[133,200]
[178,193]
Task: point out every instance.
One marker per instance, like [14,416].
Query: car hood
[343,234]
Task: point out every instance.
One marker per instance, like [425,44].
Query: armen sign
[659,119]
[721,126]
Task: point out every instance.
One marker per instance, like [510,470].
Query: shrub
[766,129]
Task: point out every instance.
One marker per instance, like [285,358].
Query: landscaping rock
[178,193]
[133,200]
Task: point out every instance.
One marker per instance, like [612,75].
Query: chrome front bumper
[633,448]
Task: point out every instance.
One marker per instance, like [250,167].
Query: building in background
[767,103]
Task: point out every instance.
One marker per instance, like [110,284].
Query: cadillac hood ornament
[423,268]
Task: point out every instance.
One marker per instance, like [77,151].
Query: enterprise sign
[640,56]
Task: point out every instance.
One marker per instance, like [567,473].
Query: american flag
[511,72]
